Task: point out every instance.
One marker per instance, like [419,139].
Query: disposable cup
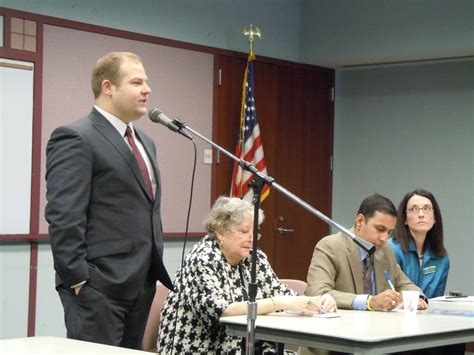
[410,301]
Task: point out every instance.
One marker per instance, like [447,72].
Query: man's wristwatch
[423,297]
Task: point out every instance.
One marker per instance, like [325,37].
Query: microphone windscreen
[154,115]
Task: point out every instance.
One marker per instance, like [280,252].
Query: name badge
[429,270]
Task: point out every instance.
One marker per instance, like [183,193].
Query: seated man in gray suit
[355,279]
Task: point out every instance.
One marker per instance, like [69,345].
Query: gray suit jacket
[336,268]
[103,226]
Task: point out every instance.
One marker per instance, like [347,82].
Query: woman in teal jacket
[418,242]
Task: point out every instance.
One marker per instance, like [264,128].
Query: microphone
[157,116]
[368,247]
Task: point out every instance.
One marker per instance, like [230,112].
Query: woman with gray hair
[213,283]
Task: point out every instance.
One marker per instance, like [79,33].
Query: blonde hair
[108,68]
[227,212]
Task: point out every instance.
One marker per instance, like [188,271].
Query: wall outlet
[207,156]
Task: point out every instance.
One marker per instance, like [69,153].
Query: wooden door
[304,150]
[295,115]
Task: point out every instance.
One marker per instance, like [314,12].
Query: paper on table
[319,315]
[451,312]
[454,298]
[328,315]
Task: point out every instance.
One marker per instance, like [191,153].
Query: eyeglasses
[416,209]
[245,234]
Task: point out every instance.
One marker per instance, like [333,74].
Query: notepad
[328,315]
[454,298]
[318,315]
[451,312]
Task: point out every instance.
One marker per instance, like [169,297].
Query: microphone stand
[259,180]
[257,185]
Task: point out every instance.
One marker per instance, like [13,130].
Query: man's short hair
[108,68]
[374,203]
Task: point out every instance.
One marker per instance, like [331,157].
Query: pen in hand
[389,280]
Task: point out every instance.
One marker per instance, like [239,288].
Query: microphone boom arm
[368,247]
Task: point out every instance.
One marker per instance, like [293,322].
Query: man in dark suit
[103,210]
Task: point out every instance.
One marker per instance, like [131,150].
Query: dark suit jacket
[336,268]
[103,226]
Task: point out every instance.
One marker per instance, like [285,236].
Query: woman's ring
[393,303]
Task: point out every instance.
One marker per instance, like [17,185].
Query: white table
[359,331]
[53,345]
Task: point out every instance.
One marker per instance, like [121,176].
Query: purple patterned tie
[140,161]
[367,275]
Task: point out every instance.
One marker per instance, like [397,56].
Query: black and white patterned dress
[209,284]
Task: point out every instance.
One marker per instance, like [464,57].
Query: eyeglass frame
[416,209]
[243,235]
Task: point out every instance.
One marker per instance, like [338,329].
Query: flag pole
[257,186]
[251,32]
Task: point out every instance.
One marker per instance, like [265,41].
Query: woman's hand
[306,305]
[326,303]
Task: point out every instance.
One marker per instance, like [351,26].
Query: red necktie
[140,161]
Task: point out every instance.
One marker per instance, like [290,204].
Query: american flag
[249,146]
